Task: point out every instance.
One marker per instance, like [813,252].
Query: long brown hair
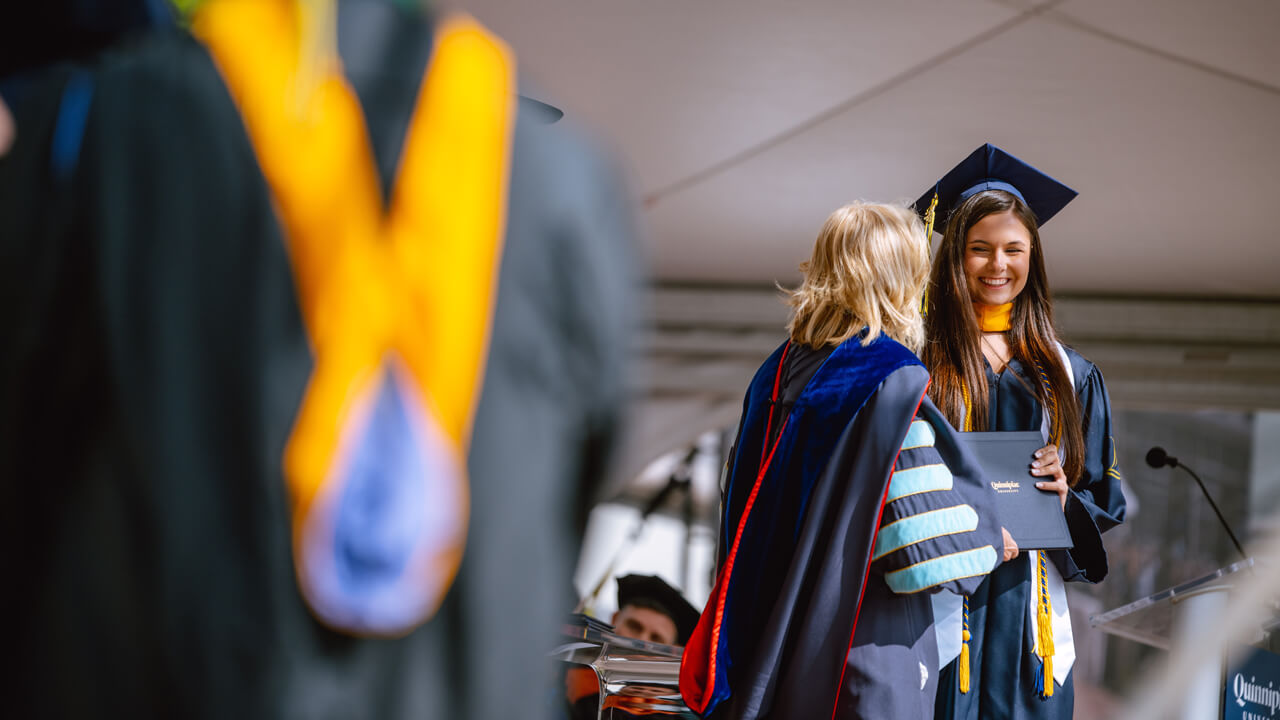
[952,351]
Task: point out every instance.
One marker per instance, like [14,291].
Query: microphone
[1157,458]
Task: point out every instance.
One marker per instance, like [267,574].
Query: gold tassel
[1044,628]
[928,217]
[1048,674]
[928,239]
[1044,610]
[963,669]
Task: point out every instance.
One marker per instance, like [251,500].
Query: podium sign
[1252,689]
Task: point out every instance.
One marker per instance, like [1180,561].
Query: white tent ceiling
[744,122]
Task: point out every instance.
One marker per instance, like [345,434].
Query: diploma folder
[1032,516]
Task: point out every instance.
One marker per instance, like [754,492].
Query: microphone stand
[679,481]
[1214,505]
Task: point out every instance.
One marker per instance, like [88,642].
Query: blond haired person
[848,501]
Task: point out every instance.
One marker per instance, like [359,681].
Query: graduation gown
[819,608]
[154,362]
[1002,660]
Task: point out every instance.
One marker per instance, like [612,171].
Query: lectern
[1228,686]
[636,678]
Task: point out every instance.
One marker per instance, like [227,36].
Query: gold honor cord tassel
[1044,610]
[963,668]
[1044,628]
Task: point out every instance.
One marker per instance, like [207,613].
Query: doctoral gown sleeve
[1096,504]
[938,530]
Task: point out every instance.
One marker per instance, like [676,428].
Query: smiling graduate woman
[997,365]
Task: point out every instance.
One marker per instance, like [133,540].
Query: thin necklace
[1005,364]
[1004,361]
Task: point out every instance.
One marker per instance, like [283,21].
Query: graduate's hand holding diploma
[1047,463]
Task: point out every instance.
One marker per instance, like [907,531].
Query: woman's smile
[997,257]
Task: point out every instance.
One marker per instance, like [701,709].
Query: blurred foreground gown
[154,365]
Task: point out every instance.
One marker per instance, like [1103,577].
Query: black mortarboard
[652,592]
[990,168]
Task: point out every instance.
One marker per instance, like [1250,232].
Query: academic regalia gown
[820,607]
[153,365]
[1002,661]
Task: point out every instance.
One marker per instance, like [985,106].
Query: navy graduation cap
[990,168]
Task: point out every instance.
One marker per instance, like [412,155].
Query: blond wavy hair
[868,269]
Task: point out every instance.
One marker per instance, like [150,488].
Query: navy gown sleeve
[1096,504]
[938,530]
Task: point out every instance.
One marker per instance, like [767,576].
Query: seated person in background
[651,610]
[648,609]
